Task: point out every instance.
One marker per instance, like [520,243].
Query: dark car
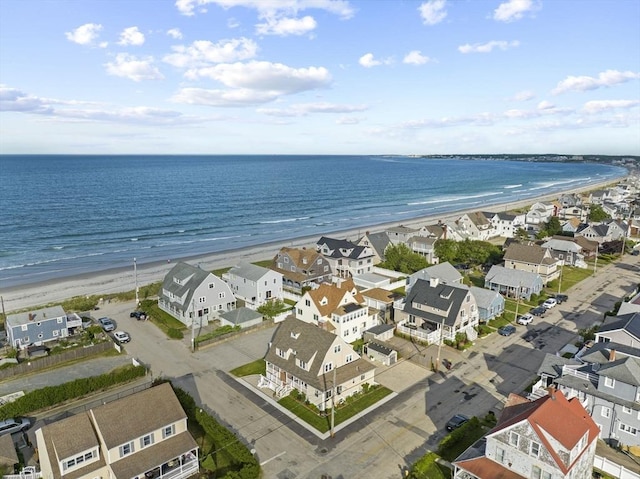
[507,330]
[538,311]
[561,298]
[138,315]
[456,421]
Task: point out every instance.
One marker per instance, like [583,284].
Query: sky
[320,77]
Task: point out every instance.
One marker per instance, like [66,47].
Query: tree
[400,258]
[522,234]
[446,250]
[551,227]
[596,213]
[271,309]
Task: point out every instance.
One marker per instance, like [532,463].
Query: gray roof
[484,297]
[379,242]
[380,328]
[552,365]
[626,370]
[443,271]
[311,345]
[380,348]
[443,297]
[190,278]
[250,271]
[511,277]
[562,245]
[43,314]
[336,246]
[241,315]
[629,323]
[601,352]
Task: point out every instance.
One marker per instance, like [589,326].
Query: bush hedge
[55,395]
[216,333]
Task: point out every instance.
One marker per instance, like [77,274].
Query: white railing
[284,390]
[614,469]
[187,469]
[28,472]
[593,378]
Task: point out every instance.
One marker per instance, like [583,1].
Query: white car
[122,337]
[525,319]
[549,303]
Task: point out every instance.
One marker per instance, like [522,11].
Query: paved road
[381,444]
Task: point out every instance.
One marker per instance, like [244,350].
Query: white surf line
[274,457]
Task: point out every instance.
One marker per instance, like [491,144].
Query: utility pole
[439,345]
[595,264]
[560,277]
[193,325]
[333,402]
[135,279]
[518,294]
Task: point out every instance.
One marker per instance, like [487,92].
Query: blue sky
[320,76]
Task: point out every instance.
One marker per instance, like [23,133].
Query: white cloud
[204,52]
[341,8]
[304,109]
[223,98]
[524,95]
[415,57]
[266,76]
[597,106]
[131,36]
[347,120]
[367,61]
[286,26]
[605,79]
[85,34]
[513,10]
[133,68]
[545,105]
[175,33]
[488,47]
[433,11]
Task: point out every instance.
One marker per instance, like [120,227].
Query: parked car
[550,303]
[138,315]
[107,324]
[538,311]
[507,330]
[561,298]
[525,319]
[122,337]
[456,421]
[9,426]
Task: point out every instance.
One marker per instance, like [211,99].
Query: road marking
[274,457]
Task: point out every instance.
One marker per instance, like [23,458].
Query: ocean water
[67,215]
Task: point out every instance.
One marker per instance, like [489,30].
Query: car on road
[538,311]
[122,337]
[107,324]
[9,426]
[507,330]
[138,315]
[550,303]
[561,298]
[456,421]
[525,319]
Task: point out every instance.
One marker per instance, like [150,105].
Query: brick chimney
[552,392]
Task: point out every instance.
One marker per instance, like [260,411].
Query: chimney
[433,282]
[444,229]
[552,392]
[612,355]
[30,316]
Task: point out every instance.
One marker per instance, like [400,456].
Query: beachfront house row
[445,273]
[40,326]
[378,243]
[490,303]
[338,308]
[605,378]
[534,259]
[346,259]
[301,268]
[513,283]
[254,284]
[434,311]
[539,213]
[550,438]
[506,224]
[321,366]
[476,226]
[138,436]
[401,234]
[194,296]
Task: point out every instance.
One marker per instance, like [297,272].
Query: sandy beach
[123,279]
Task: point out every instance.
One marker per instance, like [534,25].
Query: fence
[51,361]
[614,469]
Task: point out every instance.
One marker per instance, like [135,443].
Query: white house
[254,284]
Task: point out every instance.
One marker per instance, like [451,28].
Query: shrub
[174,333]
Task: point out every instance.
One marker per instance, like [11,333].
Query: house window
[146,441]
[626,410]
[328,367]
[24,327]
[126,449]
[339,390]
[168,431]
[55,333]
[281,353]
[535,449]
[628,429]
[605,412]
[328,394]
[221,295]
[336,348]
[59,320]
[514,438]
[315,317]
[205,310]
[286,259]
[500,454]
[319,260]
[348,359]
[536,472]
[212,285]
[307,302]
[609,382]
[326,269]
[302,364]
[299,311]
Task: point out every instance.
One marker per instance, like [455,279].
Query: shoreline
[122,279]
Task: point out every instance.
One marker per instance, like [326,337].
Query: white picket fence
[614,469]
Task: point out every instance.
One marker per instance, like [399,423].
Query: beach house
[513,283]
[301,268]
[345,258]
[142,435]
[254,284]
[321,366]
[194,296]
[378,242]
[37,327]
[534,259]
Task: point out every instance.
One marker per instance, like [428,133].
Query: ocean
[67,215]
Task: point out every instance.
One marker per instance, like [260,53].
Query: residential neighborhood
[328,324]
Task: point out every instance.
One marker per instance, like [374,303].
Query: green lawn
[256,367]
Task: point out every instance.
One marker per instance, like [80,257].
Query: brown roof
[333,295]
[380,294]
[484,468]
[525,253]
[298,256]
[66,445]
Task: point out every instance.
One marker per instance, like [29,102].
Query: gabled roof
[240,316]
[328,296]
[402,229]
[626,370]
[629,323]
[445,298]
[425,240]
[299,255]
[478,218]
[562,245]
[445,272]
[36,315]
[510,277]
[551,417]
[311,344]
[552,365]
[341,248]
[485,297]
[525,253]
[379,294]
[378,241]
[189,278]
[249,271]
